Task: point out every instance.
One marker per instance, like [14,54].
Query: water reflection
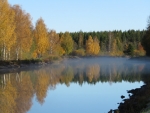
[18,89]
[16,93]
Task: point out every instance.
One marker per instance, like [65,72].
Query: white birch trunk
[9,55]
[6,56]
[20,54]
[4,51]
[17,53]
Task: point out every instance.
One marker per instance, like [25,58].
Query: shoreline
[138,102]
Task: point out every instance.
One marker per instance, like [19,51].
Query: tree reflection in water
[17,89]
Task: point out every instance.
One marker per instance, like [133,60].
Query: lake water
[73,86]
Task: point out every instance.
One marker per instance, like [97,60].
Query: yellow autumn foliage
[23,30]
[41,37]
[7,98]
[92,46]
[7,35]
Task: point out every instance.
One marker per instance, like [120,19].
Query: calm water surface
[99,98]
[74,86]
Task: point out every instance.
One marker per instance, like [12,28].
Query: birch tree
[7,36]
[23,31]
[55,44]
[89,46]
[41,38]
[96,46]
[67,42]
[92,46]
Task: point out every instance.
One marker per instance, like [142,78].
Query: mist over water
[108,65]
[74,85]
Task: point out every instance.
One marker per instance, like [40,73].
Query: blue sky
[88,15]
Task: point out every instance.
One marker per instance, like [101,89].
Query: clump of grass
[79,52]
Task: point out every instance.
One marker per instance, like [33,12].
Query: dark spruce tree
[130,50]
[146,39]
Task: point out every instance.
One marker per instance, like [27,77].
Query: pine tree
[146,39]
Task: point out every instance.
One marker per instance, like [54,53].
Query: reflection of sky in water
[99,98]
[105,73]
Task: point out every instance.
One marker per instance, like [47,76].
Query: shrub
[79,52]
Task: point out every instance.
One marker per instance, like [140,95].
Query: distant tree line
[114,43]
[20,40]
